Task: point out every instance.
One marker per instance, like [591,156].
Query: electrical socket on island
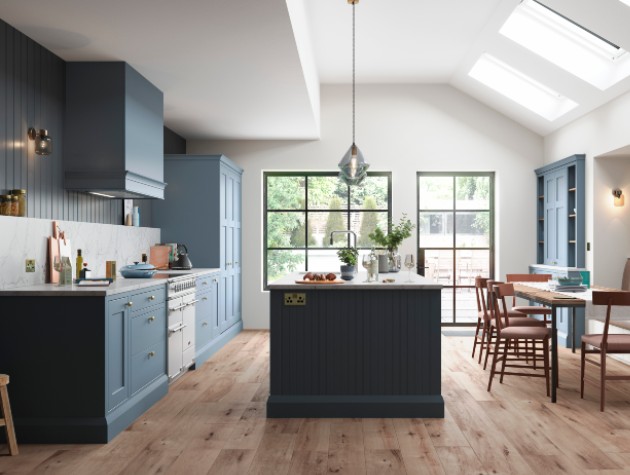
[295,299]
[30,265]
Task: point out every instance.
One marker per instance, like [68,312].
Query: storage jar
[22,203]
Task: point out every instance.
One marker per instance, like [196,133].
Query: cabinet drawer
[148,365]
[147,329]
[204,283]
[205,319]
[142,300]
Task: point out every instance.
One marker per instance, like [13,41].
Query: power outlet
[30,265]
[295,299]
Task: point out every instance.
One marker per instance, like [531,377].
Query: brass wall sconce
[618,194]
[43,142]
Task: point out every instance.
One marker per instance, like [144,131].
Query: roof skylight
[567,44]
[520,88]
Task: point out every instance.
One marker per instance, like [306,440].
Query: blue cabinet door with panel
[117,352]
[206,317]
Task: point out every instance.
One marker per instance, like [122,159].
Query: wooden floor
[213,422]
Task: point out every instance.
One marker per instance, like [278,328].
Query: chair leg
[490,333]
[8,420]
[493,365]
[582,367]
[602,382]
[484,343]
[505,352]
[476,336]
[546,362]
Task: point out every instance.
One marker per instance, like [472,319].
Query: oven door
[175,339]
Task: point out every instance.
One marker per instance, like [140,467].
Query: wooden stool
[7,420]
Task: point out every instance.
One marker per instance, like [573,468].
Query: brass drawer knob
[152,297]
[151,354]
[204,324]
[129,304]
[151,318]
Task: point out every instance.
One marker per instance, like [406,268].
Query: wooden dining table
[554,300]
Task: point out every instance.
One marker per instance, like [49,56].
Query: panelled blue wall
[32,94]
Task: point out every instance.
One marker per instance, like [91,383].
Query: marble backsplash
[27,238]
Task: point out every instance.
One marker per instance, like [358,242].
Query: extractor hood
[114,131]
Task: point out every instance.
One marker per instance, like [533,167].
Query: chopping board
[320,282]
[53,251]
[65,250]
[159,256]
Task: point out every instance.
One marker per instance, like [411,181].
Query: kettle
[182,261]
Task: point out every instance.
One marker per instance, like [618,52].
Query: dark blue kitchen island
[356,349]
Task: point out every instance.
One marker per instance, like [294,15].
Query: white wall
[402,129]
[600,132]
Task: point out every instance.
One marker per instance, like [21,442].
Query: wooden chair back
[490,283]
[480,286]
[619,298]
[502,290]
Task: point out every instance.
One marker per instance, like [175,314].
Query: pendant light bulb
[352,165]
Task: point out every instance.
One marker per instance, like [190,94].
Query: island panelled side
[356,353]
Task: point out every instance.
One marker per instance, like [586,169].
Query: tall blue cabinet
[202,209]
[560,224]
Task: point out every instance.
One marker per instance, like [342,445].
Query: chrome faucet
[344,232]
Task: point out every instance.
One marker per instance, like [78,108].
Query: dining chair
[605,343]
[530,309]
[482,318]
[517,319]
[506,351]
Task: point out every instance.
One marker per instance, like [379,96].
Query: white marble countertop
[120,285]
[358,283]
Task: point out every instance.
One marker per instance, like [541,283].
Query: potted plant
[393,239]
[348,256]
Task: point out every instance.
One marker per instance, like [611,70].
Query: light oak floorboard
[213,421]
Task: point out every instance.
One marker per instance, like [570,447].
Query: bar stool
[7,420]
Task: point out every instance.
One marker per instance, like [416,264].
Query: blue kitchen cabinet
[202,209]
[560,213]
[207,324]
[117,354]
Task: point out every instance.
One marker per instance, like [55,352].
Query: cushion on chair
[533,310]
[525,333]
[616,343]
[522,322]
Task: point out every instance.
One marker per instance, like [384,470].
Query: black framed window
[456,237]
[301,209]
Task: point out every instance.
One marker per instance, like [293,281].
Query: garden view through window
[302,209]
[456,237]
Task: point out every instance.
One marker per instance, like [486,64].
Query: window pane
[286,192]
[327,192]
[473,229]
[439,266]
[465,305]
[280,263]
[447,305]
[322,223]
[285,229]
[473,192]
[371,194]
[323,261]
[470,264]
[436,229]
[436,192]
[364,223]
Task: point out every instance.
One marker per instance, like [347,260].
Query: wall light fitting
[43,142]
[618,194]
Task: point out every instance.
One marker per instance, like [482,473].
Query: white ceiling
[251,69]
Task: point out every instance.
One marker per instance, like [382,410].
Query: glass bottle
[22,203]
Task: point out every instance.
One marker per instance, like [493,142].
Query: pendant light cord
[353,73]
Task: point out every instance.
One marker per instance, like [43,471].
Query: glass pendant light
[352,165]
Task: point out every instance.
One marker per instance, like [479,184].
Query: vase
[383,263]
[347,272]
[394,260]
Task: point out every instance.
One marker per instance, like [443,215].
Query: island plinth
[355,349]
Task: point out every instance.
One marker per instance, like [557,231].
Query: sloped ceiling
[251,69]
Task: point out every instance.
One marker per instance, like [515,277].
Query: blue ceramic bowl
[138,271]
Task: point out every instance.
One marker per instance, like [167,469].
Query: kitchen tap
[344,232]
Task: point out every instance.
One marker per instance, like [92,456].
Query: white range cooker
[180,303]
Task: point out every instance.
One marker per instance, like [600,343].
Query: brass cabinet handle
[151,318]
[129,304]
[204,298]
[236,263]
[204,324]
[152,297]
[215,280]
[151,354]
[205,282]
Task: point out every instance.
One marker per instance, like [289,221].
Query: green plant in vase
[392,240]
[349,256]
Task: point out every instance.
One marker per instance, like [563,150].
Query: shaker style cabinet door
[117,349]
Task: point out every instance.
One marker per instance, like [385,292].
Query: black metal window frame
[454,248]
[348,209]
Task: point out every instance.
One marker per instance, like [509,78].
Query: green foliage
[280,263]
[368,223]
[395,237]
[348,255]
[335,220]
